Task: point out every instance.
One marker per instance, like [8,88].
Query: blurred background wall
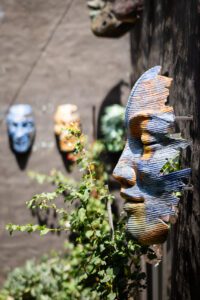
[48,56]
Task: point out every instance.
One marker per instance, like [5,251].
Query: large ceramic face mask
[66,116]
[149,194]
[21,127]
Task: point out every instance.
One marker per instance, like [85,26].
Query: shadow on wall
[67,163]
[47,217]
[114,96]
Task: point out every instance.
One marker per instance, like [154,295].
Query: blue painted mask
[21,127]
[149,194]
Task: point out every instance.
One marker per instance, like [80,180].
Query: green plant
[49,279]
[171,165]
[112,128]
[103,263]
[38,281]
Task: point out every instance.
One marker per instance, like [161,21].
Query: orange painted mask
[66,118]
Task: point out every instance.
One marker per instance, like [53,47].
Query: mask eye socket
[28,124]
[25,124]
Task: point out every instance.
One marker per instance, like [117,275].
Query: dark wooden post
[186,262]
[168,34]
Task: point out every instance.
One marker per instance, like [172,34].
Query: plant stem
[110,218]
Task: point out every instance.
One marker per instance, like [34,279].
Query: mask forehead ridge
[149,88]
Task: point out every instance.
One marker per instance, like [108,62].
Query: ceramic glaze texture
[66,117]
[128,10]
[21,127]
[150,199]
[104,23]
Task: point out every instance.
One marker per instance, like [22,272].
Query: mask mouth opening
[23,140]
[133,199]
[21,144]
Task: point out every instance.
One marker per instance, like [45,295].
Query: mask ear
[138,93]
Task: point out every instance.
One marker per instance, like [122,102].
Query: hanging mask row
[22,127]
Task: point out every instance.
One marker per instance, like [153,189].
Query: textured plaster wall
[48,56]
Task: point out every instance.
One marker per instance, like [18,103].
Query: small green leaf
[111,296]
[89,233]
[106,278]
[81,214]
[109,271]
[101,273]
[82,277]
[44,231]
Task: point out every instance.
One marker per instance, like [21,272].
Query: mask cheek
[67,142]
[11,130]
[147,232]
[23,142]
[31,134]
[58,129]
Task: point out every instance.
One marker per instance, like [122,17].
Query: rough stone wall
[48,56]
[169,35]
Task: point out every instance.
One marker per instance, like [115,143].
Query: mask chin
[148,234]
[22,144]
[158,235]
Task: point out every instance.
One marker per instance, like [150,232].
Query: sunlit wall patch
[21,127]
[150,198]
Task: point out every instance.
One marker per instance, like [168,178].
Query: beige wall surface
[48,56]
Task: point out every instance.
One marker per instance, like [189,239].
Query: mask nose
[124,174]
[19,133]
